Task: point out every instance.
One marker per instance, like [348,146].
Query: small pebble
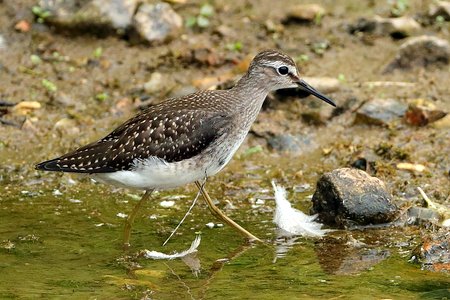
[122,215]
[167,203]
[70,181]
[57,193]
[260,202]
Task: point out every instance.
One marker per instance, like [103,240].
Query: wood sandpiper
[186,139]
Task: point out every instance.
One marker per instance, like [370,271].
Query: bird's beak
[306,87]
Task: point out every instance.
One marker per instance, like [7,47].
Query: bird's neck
[250,92]
[250,97]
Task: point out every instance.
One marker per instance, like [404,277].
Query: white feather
[160,255]
[292,220]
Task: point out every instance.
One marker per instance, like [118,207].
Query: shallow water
[69,246]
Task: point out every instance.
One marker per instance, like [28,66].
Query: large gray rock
[348,197]
[157,22]
[421,51]
[106,14]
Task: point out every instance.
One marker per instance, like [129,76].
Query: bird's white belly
[155,173]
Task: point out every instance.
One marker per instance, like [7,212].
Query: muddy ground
[199,56]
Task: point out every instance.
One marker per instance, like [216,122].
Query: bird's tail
[49,165]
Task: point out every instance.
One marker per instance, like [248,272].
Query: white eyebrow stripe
[277,64]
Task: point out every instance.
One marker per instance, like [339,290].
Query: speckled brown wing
[172,136]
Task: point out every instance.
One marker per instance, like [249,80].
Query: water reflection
[346,256]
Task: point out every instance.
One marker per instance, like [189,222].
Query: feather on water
[292,220]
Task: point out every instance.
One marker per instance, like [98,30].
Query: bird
[185,139]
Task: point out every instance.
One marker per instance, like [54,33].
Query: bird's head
[279,71]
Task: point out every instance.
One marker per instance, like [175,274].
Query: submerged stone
[348,196]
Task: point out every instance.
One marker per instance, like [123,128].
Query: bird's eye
[283,70]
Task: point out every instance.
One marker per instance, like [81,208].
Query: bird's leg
[131,217]
[216,211]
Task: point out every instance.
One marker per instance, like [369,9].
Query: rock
[22,26]
[396,27]
[434,252]
[26,107]
[105,15]
[380,111]
[347,196]
[418,215]
[157,22]
[423,113]
[421,51]
[296,144]
[440,8]
[304,13]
